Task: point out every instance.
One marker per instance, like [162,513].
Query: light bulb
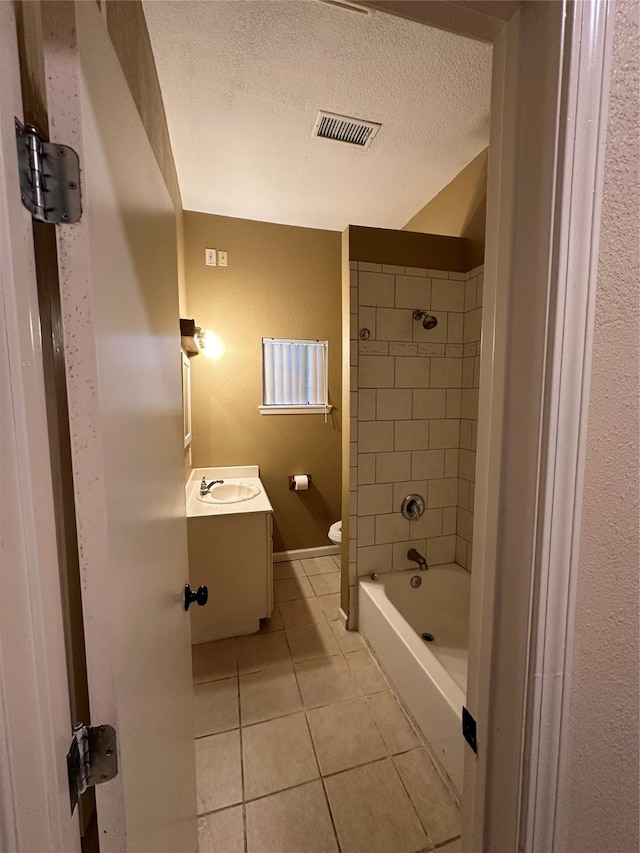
[213,346]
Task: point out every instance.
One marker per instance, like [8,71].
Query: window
[294,377]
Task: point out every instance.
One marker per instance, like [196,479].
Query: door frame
[550,448]
[35,713]
[546,160]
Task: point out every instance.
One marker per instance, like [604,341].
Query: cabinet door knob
[200,596]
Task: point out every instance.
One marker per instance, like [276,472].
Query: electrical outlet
[210,258]
[222,258]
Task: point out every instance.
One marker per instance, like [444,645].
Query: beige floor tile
[262,651]
[291,569]
[274,623]
[324,681]
[345,735]
[287,590]
[336,560]
[294,821]
[330,604]
[221,832]
[325,584]
[312,641]
[367,672]
[349,641]
[218,771]
[214,660]
[372,812]
[392,724]
[277,754]
[302,611]
[268,694]
[319,566]
[437,811]
[216,706]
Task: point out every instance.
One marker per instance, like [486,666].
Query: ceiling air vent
[355,131]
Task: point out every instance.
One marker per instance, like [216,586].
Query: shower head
[428,320]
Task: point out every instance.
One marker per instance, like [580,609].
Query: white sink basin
[230,493]
[238,490]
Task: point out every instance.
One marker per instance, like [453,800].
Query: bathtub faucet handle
[417,557]
[413,507]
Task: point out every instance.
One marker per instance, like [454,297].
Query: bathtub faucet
[414,555]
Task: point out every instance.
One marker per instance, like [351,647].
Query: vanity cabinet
[232,555]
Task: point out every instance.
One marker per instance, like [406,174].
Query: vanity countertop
[249,474]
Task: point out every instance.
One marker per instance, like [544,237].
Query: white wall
[602,799]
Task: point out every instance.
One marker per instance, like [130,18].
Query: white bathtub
[431,678]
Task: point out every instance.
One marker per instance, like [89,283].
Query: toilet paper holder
[292,481]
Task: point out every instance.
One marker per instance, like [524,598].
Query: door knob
[200,596]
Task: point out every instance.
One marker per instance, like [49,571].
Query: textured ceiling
[243,81]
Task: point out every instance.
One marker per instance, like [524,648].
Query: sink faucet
[414,555]
[205,487]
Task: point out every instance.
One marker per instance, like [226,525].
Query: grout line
[387,757]
[244,808]
[357,767]
[224,809]
[390,754]
[410,798]
[333,822]
[444,844]
[281,790]
[272,719]
[213,680]
[324,789]
[320,777]
[218,732]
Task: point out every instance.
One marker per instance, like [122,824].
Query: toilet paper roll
[300,482]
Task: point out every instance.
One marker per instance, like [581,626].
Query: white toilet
[335,532]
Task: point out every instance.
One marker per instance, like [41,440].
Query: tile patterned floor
[300,745]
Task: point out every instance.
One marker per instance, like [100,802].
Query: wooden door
[118,283]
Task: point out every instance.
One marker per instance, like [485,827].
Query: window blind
[294,372]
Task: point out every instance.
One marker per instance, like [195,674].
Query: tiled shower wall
[414,394]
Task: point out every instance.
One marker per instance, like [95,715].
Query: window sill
[294,410]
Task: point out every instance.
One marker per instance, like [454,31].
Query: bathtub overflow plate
[415,581]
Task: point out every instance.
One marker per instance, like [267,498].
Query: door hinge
[469,730]
[92,759]
[49,177]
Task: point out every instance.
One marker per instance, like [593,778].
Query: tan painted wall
[459,210]
[281,282]
[603,752]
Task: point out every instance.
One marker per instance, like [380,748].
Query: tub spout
[417,557]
